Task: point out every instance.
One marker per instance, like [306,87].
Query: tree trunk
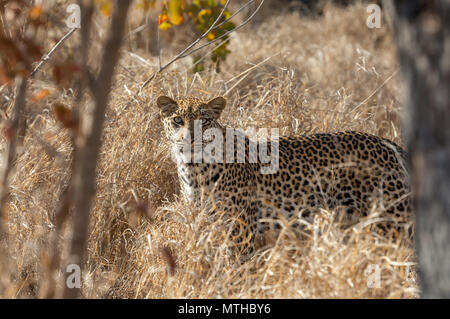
[422,34]
[89,142]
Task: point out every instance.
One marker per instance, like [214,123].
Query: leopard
[345,171]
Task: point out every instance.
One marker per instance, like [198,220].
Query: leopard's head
[184,118]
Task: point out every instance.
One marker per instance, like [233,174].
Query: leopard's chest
[189,186]
[198,182]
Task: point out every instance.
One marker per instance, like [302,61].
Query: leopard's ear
[216,106]
[166,105]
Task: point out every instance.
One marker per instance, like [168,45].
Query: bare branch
[89,141]
[236,13]
[225,34]
[66,195]
[187,48]
[47,56]
[18,124]
[209,53]
[11,154]
[244,74]
[186,52]
[4,22]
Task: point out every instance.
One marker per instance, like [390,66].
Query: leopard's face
[184,119]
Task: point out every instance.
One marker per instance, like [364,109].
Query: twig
[186,52]
[4,22]
[236,13]
[66,195]
[18,125]
[141,59]
[137,30]
[49,54]
[158,46]
[11,155]
[376,90]
[226,33]
[161,68]
[89,142]
[244,74]
[209,53]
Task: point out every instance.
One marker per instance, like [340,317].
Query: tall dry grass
[326,74]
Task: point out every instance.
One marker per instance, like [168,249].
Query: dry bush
[147,242]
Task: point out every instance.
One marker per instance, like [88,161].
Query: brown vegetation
[300,75]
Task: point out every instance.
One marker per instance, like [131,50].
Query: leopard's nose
[183,139]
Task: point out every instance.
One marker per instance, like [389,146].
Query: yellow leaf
[165,25]
[175,11]
[202,13]
[177,20]
[35,12]
[162,18]
[105,8]
[211,36]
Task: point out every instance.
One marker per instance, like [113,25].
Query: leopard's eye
[178,120]
[205,121]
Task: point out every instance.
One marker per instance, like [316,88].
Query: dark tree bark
[89,141]
[422,30]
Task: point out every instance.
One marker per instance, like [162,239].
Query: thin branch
[47,56]
[236,13]
[186,49]
[244,74]
[209,53]
[137,30]
[377,89]
[66,195]
[11,155]
[89,141]
[185,52]
[225,34]
[158,45]
[4,22]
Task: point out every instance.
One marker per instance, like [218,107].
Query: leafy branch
[189,50]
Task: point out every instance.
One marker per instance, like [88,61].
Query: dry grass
[318,74]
